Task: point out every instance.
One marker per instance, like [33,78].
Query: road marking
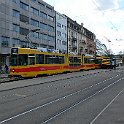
[20,95]
[106,107]
[61,98]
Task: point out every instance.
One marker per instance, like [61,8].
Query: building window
[15,28]
[16,14]
[35,34]
[50,38]
[35,11]
[50,18]
[16,1]
[49,9]
[44,37]
[64,35]
[33,0]
[34,23]
[23,43]
[64,43]
[50,28]
[58,33]
[58,25]
[2,60]
[24,6]
[15,42]
[5,41]
[24,31]
[64,27]
[43,15]
[58,41]
[43,26]
[41,4]
[24,19]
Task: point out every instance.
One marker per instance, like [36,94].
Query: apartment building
[90,42]
[61,32]
[25,23]
[80,39]
[76,38]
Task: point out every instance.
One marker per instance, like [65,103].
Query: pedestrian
[6,68]
[0,69]
[114,64]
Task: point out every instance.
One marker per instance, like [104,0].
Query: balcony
[74,39]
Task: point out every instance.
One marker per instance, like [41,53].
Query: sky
[105,18]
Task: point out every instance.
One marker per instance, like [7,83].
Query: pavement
[3,76]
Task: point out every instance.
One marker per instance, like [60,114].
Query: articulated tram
[26,62]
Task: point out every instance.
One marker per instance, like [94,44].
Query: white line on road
[20,95]
[106,107]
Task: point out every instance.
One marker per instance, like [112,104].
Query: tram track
[39,92]
[29,85]
[10,79]
[79,102]
[68,96]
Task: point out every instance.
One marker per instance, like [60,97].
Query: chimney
[82,24]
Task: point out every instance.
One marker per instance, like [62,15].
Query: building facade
[61,32]
[90,42]
[25,23]
[80,39]
[76,38]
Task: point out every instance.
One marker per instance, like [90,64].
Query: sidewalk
[3,75]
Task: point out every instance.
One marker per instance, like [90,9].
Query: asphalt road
[89,99]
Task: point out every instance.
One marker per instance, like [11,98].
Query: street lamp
[27,36]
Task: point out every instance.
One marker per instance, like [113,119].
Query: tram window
[90,60]
[23,59]
[14,59]
[31,59]
[77,60]
[85,60]
[100,61]
[71,64]
[54,60]
[48,59]
[40,59]
[71,59]
[61,59]
[96,61]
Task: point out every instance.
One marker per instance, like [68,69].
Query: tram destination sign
[14,51]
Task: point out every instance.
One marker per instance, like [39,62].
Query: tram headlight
[13,70]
